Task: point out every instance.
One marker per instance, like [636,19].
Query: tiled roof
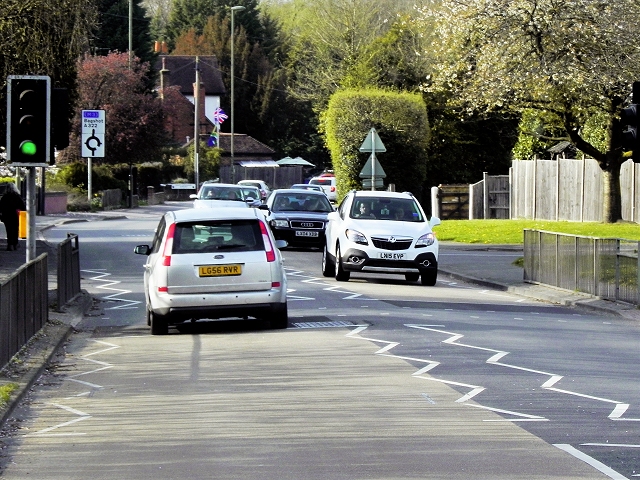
[244,145]
[182,72]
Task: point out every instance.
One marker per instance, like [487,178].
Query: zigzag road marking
[126,303]
[615,414]
[81,415]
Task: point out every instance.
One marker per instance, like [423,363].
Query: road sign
[372,143]
[93,130]
[367,170]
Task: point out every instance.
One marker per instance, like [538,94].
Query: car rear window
[215,236]
[320,181]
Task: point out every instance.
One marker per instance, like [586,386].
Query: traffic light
[630,125]
[28,119]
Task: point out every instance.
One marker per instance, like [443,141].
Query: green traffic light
[28,148]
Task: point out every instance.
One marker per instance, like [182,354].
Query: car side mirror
[434,221]
[142,249]
[193,195]
[333,216]
[263,207]
[281,244]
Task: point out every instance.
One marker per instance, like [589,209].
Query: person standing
[10,205]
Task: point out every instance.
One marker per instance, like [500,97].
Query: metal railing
[68,269]
[604,267]
[23,306]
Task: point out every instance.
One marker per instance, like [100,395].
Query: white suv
[213,263]
[328,184]
[381,232]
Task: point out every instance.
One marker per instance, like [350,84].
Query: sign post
[93,130]
[372,169]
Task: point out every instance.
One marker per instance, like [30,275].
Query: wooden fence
[569,190]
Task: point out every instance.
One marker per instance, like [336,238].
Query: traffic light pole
[31,213]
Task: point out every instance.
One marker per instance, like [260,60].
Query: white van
[328,184]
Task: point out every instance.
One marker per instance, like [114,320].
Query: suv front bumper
[356,260]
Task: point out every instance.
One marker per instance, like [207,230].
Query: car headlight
[280,223]
[426,240]
[356,237]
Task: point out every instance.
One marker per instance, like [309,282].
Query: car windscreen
[220,193]
[214,236]
[385,208]
[301,202]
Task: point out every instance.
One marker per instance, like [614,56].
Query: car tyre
[340,274]
[280,317]
[411,277]
[328,267]
[159,325]
[148,315]
[429,277]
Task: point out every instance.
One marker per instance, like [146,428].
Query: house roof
[244,145]
[181,72]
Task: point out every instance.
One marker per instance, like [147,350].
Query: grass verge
[511,231]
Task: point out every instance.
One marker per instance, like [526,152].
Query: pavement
[492,267]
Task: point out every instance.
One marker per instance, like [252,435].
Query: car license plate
[300,233]
[219,270]
[392,256]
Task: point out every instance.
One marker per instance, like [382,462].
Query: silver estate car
[213,263]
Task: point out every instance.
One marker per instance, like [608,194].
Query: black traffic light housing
[29,120]
[629,120]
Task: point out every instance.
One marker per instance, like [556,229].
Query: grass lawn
[510,231]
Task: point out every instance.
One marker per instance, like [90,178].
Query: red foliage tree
[134,125]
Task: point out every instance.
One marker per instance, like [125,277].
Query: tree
[41,37]
[134,125]
[194,14]
[113,33]
[574,60]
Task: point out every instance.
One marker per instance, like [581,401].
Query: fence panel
[68,269]
[606,267]
[23,306]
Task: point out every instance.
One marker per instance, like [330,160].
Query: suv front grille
[385,243]
[307,224]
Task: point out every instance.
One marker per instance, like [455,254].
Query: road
[374,378]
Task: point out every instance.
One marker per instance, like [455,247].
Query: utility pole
[196,122]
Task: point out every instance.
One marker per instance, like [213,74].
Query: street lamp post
[233,164]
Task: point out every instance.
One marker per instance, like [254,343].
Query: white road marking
[126,303]
[611,473]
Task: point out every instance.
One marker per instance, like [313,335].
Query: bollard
[22,224]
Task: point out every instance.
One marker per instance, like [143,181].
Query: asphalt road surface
[374,378]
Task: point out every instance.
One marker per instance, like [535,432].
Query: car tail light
[168,246]
[276,284]
[271,254]
[333,189]
[163,289]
